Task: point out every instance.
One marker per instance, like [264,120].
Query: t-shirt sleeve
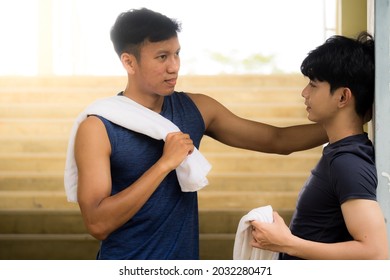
[353,178]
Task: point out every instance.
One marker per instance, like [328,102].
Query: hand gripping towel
[123,111]
[243,250]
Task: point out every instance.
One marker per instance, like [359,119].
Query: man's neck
[342,128]
[153,102]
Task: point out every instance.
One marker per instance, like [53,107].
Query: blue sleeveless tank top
[166,227]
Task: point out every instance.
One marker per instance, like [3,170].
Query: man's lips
[171,82]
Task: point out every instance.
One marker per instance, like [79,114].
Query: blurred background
[56,57]
[56,37]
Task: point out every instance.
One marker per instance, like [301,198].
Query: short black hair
[345,62]
[134,27]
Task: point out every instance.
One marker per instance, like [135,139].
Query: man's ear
[128,62]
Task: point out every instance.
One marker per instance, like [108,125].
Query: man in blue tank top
[337,215]
[128,190]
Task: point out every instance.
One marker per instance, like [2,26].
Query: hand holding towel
[123,111]
[243,250]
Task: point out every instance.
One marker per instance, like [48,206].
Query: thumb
[278,219]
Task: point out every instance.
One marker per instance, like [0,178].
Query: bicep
[364,220]
[92,154]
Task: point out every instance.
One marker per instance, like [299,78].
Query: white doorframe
[382,105]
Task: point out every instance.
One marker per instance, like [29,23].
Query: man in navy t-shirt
[337,215]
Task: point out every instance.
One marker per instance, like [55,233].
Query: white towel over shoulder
[127,113]
[243,250]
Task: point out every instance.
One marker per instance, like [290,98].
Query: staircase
[36,115]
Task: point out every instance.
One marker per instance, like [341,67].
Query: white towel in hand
[243,250]
[123,111]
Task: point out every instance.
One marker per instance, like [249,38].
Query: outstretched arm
[224,126]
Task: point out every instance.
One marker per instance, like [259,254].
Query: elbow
[97,231]
[380,256]
[383,254]
[282,150]
[382,250]
[278,151]
[99,236]
[380,253]
[285,152]
[280,146]
[276,148]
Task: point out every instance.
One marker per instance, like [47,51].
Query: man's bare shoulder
[201,99]
[91,126]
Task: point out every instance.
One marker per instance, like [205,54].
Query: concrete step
[256,181]
[251,94]
[48,247]
[39,110]
[94,84]
[266,109]
[85,247]
[69,221]
[218,221]
[209,145]
[41,221]
[59,144]
[54,95]
[60,234]
[42,127]
[247,199]
[35,200]
[282,80]
[218,181]
[86,89]
[33,144]
[258,162]
[216,246]
[62,126]
[243,109]
[86,95]
[33,180]
[208,199]
[45,162]
[221,162]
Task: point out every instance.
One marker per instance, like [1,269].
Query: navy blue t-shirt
[345,171]
[166,227]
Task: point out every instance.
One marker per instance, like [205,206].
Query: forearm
[277,237]
[270,139]
[230,129]
[349,250]
[300,137]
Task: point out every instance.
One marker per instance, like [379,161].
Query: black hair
[345,62]
[134,27]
